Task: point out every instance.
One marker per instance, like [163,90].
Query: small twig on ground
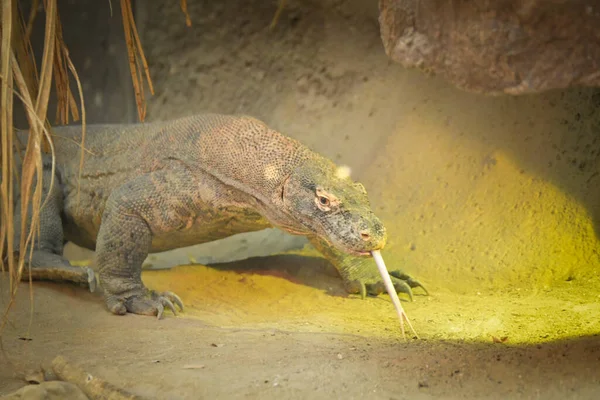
[94,387]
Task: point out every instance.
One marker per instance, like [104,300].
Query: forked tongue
[389,286]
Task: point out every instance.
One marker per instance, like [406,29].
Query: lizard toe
[362,277]
[410,281]
[147,302]
[378,287]
[375,288]
[116,305]
[172,298]
[356,286]
[402,287]
[164,302]
[142,305]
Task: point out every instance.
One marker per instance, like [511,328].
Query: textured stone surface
[505,46]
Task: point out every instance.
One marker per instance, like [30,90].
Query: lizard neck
[244,153]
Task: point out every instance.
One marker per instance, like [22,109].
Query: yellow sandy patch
[268,300]
[473,218]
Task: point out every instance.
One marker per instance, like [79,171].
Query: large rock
[494,47]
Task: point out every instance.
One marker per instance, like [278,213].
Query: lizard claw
[165,302]
[161,307]
[144,302]
[166,299]
[91,279]
[174,298]
[376,288]
[408,280]
[364,280]
[363,289]
[401,287]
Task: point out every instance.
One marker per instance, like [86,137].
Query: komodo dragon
[165,185]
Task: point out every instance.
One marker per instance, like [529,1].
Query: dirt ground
[491,202]
[267,332]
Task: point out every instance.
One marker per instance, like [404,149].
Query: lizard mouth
[330,241]
[361,253]
[354,252]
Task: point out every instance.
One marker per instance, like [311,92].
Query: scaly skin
[165,185]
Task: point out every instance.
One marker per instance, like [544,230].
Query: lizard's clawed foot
[372,284]
[144,302]
[408,280]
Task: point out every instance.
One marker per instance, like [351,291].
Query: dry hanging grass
[188,20]
[20,78]
[137,60]
[36,108]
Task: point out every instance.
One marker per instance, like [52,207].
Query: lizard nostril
[365,235]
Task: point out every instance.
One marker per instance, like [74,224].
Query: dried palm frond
[21,78]
[31,172]
[136,57]
[188,20]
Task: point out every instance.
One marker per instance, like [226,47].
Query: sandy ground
[270,332]
[491,202]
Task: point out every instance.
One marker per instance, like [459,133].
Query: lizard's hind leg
[47,262]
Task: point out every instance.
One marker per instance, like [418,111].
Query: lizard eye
[324,201]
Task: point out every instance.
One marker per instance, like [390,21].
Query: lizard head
[324,201]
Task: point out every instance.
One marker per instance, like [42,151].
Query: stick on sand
[94,387]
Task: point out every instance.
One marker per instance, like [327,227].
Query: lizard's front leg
[132,214]
[360,274]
